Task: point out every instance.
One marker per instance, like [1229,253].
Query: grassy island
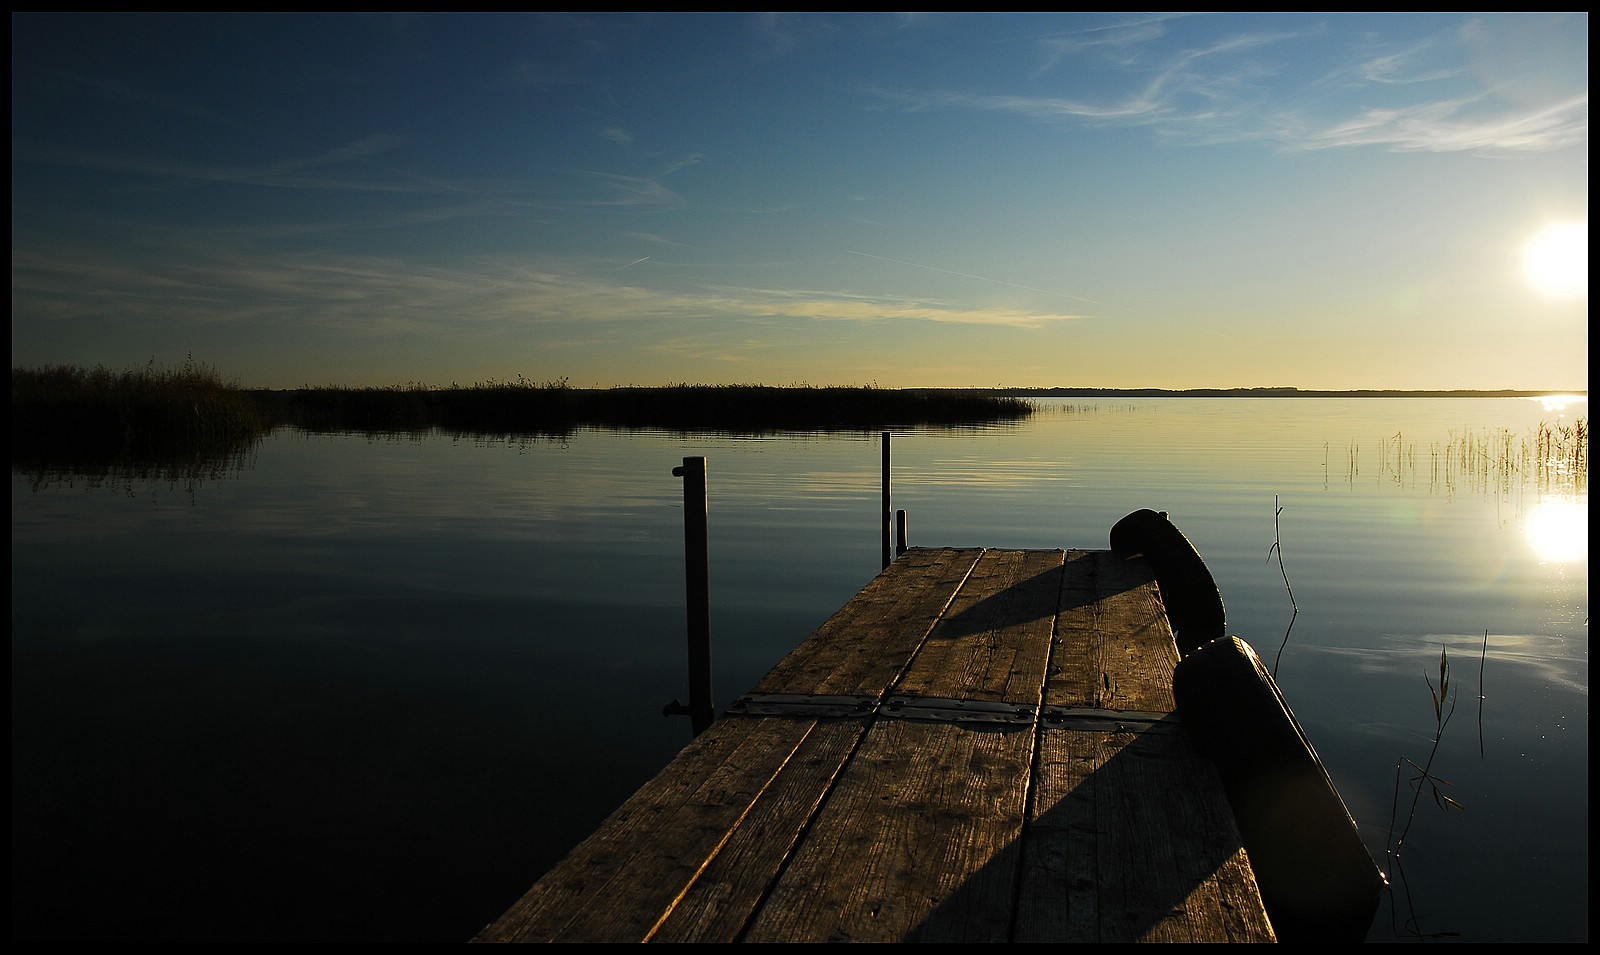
[86,414]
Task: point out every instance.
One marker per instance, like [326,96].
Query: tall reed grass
[95,417]
[524,407]
[176,423]
[1553,458]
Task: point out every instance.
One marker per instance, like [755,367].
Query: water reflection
[1559,530]
[429,664]
[1559,403]
[89,466]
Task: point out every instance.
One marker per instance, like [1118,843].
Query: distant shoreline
[1251,393]
[100,419]
[1279,392]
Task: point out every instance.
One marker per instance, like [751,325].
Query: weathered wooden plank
[915,842]
[863,647]
[1103,799]
[1114,646]
[1225,902]
[1166,853]
[1077,679]
[617,883]
[1129,839]
[1137,652]
[993,642]
[920,839]
[1060,877]
[724,895]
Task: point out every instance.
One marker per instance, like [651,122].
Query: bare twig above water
[1443,708]
[1277,546]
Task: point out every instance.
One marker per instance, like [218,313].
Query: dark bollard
[697,588]
[899,533]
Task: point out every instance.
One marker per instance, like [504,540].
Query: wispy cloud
[372,145]
[129,96]
[1038,107]
[1423,96]
[1411,65]
[331,171]
[649,237]
[373,296]
[1178,89]
[1446,127]
[285,174]
[617,189]
[966,275]
[834,306]
[779,33]
[1110,39]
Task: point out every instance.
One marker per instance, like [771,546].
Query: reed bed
[187,423]
[1554,458]
[523,407]
[758,409]
[99,418]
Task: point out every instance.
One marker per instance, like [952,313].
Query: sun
[1556,260]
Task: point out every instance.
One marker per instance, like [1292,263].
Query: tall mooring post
[697,588]
[886,555]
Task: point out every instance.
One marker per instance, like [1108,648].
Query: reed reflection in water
[368,688]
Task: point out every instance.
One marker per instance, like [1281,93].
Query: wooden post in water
[697,588]
[899,532]
[886,499]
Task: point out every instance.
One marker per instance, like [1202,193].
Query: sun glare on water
[1560,403]
[1559,531]
[1556,260]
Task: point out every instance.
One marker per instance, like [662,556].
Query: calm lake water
[369,688]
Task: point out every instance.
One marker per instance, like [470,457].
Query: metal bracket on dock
[801,704]
[957,711]
[1079,718]
[947,710]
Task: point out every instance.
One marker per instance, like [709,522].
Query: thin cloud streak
[607,189]
[979,278]
[279,176]
[1214,95]
[378,295]
[1436,127]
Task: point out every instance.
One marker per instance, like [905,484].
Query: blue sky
[1095,199]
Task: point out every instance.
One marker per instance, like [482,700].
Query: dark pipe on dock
[886,555]
[697,590]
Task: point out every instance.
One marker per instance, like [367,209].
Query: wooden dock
[981,746]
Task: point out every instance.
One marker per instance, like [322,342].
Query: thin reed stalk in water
[1277,545]
[1482,658]
[1444,707]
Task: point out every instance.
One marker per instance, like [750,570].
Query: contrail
[634,262]
[979,278]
